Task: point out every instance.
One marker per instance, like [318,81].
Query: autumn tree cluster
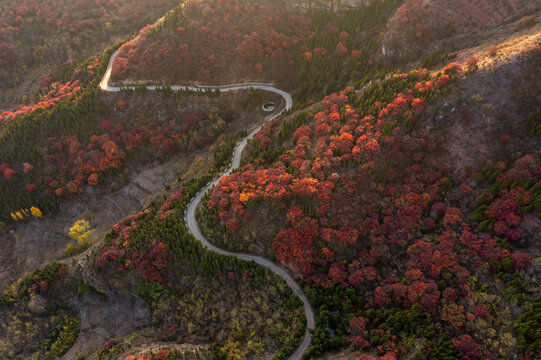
[67,164]
[215,41]
[370,225]
[311,52]
[57,93]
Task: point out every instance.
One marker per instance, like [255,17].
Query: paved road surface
[190,217]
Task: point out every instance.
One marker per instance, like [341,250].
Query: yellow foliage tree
[78,229]
[244,197]
[233,350]
[36,212]
[25,213]
[81,233]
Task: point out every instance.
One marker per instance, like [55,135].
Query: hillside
[309,51]
[91,303]
[418,26]
[257,179]
[38,36]
[407,200]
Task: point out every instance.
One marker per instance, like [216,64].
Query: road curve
[190,215]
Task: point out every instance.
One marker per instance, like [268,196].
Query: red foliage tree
[468,347]
[341,49]
[294,246]
[520,259]
[30,187]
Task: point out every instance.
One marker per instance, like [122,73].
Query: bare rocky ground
[113,313]
[106,316]
[492,101]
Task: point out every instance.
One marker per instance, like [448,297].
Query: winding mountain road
[190,215]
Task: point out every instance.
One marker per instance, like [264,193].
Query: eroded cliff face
[417,24]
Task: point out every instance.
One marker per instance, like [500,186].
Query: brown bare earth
[467,15]
[455,25]
[107,316]
[471,116]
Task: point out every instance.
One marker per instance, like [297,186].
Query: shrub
[69,330]
[492,51]
[79,232]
